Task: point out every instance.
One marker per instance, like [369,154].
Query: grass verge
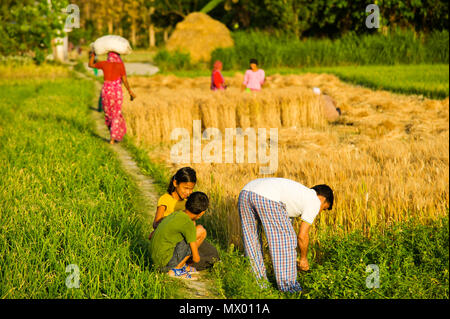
[412,260]
[430,80]
[65,200]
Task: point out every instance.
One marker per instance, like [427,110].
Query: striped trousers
[256,210]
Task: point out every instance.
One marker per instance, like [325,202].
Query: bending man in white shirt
[271,202]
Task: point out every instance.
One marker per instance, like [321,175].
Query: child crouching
[177,238]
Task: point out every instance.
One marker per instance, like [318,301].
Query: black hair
[183,175]
[197,202]
[254,61]
[325,191]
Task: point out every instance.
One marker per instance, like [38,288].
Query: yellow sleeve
[164,200]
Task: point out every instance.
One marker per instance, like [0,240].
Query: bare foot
[111,142]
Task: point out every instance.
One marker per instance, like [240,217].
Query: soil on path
[202,288]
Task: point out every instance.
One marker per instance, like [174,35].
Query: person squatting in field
[180,187]
[177,238]
[270,202]
[254,77]
[217,79]
[112,96]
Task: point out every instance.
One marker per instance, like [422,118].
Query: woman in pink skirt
[112,96]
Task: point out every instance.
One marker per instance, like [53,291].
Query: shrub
[397,47]
[167,61]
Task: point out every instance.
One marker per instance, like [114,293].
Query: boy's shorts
[181,251]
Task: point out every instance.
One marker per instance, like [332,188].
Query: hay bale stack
[199,35]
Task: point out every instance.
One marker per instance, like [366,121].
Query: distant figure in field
[254,77]
[269,203]
[112,96]
[217,79]
[330,111]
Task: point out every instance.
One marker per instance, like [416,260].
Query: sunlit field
[386,158]
[71,225]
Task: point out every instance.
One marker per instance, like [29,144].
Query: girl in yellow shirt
[180,187]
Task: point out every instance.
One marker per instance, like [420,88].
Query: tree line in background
[29,25]
[147,23]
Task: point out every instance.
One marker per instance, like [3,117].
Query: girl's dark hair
[183,175]
[254,61]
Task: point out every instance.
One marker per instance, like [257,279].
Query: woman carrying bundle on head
[112,96]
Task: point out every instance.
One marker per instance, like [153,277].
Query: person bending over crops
[112,97]
[217,79]
[271,202]
[253,78]
[176,239]
[330,111]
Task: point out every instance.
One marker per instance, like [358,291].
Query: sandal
[192,270]
[181,273]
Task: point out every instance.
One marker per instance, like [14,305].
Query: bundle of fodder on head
[113,43]
[199,35]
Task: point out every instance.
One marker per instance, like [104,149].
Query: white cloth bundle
[114,43]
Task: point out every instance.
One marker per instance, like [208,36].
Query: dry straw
[387,158]
[209,34]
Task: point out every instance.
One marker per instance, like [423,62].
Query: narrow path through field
[202,288]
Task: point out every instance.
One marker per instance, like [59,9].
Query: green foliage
[332,17]
[65,200]
[413,261]
[29,26]
[211,5]
[234,278]
[168,61]
[430,80]
[15,60]
[398,47]
[160,175]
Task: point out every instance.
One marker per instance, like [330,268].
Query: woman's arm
[125,82]
[159,215]
[91,59]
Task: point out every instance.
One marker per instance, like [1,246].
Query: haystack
[199,35]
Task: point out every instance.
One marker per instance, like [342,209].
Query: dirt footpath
[202,288]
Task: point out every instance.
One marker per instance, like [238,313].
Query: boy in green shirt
[176,239]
